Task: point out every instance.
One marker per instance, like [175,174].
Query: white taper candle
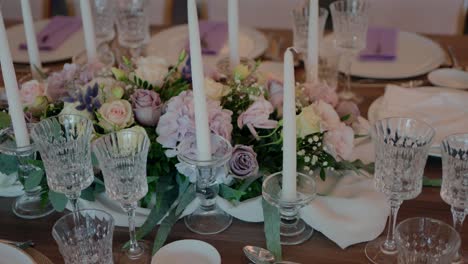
[201,114]
[15,107]
[313,42]
[289,129]
[233,25]
[31,40]
[88,28]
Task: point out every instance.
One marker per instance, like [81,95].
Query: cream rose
[307,122]
[31,90]
[115,115]
[215,90]
[152,69]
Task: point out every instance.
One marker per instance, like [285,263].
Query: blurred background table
[318,249]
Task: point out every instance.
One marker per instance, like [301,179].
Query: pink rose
[115,115]
[146,107]
[339,142]
[320,91]
[257,116]
[30,91]
[275,91]
[329,119]
[346,108]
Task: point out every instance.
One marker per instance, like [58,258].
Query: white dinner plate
[10,254]
[187,251]
[451,78]
[69,48]
[415,55]
[170,42]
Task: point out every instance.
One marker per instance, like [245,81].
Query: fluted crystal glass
[350,23]
[104,19]
[401,146]
[85,237]
[122,158]
[454,190]
[64,142]
[426,240]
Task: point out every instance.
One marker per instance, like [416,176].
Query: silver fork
[22,245]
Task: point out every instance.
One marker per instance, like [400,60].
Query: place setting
[153,149]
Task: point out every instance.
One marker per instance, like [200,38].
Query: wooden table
[318,249]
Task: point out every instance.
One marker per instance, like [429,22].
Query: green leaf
[432,182]
[88,194]
[346,117]
[229,193]
[185,199]
[9,164]
[58,200]
[5,120]
[272,228]
[322,174]
[33,180]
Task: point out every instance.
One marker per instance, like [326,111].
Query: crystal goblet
[30,204]
[350,23]
[208,218]
[122,157]
[402,146]
[104,12]
[426,240]
[454,190]
[293,229]
[85,239]
[64,144]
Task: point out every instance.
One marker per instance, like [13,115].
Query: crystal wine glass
[350,22]
[402,146]
[86,239]
[454,190]
[122,157]
[64,144]
[104,17]
[133,24]
[426,240]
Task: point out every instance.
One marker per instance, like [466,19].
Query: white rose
[70,109]
[214,90]
[307,122]
[152,69]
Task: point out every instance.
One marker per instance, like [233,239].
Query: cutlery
[260,255]
[21,245]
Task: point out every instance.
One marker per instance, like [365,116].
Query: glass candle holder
[208,218]
[293,229]
[30,204]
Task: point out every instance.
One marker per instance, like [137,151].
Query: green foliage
[271,227]
[9,164]
[34,179]
[5,120]
[58,200]
[432,182]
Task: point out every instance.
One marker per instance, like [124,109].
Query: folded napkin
[444,109]
[9,185]
[57,31]
[351,212]
[381,44]
[213,36]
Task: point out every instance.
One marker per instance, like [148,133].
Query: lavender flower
[243,162]
[88,100]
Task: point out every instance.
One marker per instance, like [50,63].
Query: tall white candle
[88,28]
[33,50]
[233,25]
[15,107]
[201,114]
[313,42]
[289,129]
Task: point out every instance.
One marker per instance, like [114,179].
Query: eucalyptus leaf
[5,120]
[272,228]
[9,164]
[88,194]
[33,180]
[229,193]
[58,200]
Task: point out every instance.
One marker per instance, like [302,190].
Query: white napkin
[10,186]
[446,110]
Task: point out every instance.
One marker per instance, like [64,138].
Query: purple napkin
[59,29]
[213,36]
[381,44]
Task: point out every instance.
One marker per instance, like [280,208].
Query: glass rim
[297,11]
[205,163]
[30,148]
[430,128]
[456,136]
[83,118]
[72,214]
[280,201]
[333,5]
[101,139]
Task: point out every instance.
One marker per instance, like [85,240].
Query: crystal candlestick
[293,229]
[208,218]
[29,205]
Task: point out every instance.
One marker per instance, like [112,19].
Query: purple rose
[146,107]
[243,162]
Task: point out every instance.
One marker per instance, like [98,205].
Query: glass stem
[73,198]
[389,246]
[206,188]
[347,62]
[458,215]
[134,250]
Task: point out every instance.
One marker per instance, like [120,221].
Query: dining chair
[160,10]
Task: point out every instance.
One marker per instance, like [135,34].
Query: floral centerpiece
[150,95]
